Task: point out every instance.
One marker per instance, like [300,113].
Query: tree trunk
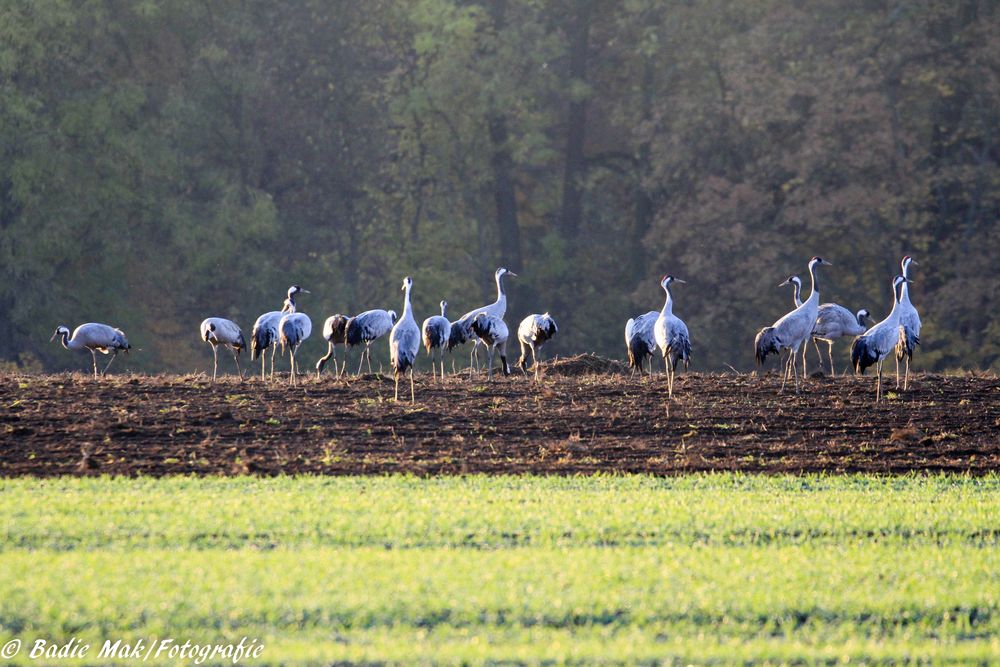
[503,191]
[576,124]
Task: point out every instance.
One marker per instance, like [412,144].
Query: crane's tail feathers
[260,340]
[908,342]
[242,341]
[353,333]
[460,334]
[863,354]
[766,343]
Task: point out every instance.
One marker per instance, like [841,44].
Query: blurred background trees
[162,161]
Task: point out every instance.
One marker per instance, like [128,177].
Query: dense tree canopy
[166,160]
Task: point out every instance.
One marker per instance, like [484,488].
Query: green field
[525,569]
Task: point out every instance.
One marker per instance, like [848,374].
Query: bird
[366,328]
[909,320]
[461,329]
[796,284]
[533,332]
[94,337]
[265,330]
[792,330]
[335,333]
[872,347]
[293,329]
[671,335]
[494,333]
[832,322]
[404,341]
[218,331]
[436,331]
[640,342]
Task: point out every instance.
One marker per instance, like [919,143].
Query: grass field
[529,569]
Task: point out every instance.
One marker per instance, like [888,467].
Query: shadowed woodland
[165,161]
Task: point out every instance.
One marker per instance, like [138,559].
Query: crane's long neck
[289,306]
[897,298]
[407,311]
[860,318]
[668,304]
[798,293]
[904,291]
[815,282]
[64,337]
[444,307]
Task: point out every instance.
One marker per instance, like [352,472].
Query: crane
[640,342]
[335,333]
[494,333]
[872,347]
[265,330]
[796,284]
[832,322]
[293,329]
[909,320]
[436,331]
[404,341]
[671,335]
[461,329]
[218,331]
[94,337]
[533,332]
[366,328]
[792,330]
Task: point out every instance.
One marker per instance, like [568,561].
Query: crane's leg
[906,378]
[833,371]
[274,348]
[236,358]
[784,378]
[534,360]
[291,375]
[93,354]
[897,370]
[111,361]
[413,394]
[396,376]
[878,383]
[362,362]
[805,349]
[263,360]
[368,356]
[472,356]
[215,366]
[489,376]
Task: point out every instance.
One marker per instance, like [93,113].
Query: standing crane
[335,333]
[436,331]
[671,335]
[833,322]
[293,329]
[792,330]
[533,332]
[366,328]
[94,337]
[218,331]
[494,333]
[640,341]
[461,329]
[872,347]
[265,330]
[404,341]
[796,284]
[909,320]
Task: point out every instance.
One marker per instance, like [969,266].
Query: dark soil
[585,416]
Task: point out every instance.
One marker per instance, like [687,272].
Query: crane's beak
[678,280]
[305,291]
[913,261]
[827,263]
[512,274]
[53,336]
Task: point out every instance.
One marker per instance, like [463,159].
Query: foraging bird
[493,332]
[293,329]
[832,322]
[640,341]
[461,329]
[671,335]
[366,328]
[436,331]
[404,341]
[335,333]
[792,330]
[265,330]
[533,332]
[872,347]
[217,331]
[94,337]
[909,320]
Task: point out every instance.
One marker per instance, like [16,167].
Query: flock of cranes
[655,332]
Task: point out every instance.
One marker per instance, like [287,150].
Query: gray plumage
[792,330]
[218,331]
[833,322]
[293,330]
[909,322]
[94,337]
[436,332]
[872,347]
[366,328]
[265,333]
[494,333]
[404,341]
[533,332]
[640,341]
[335,333]
[671,335]
[461,329]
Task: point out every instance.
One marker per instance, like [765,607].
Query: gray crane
[265,330]
[461,329]
[404,341]
[293,329]
[335,333]
[796,284]
[640,342]
[872,347]
[218,331]
[436,331]
[833,322]
[671,335]
[366,328]
[533,332]
[909,320]
[792,330]
[494,333]
[94,337]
